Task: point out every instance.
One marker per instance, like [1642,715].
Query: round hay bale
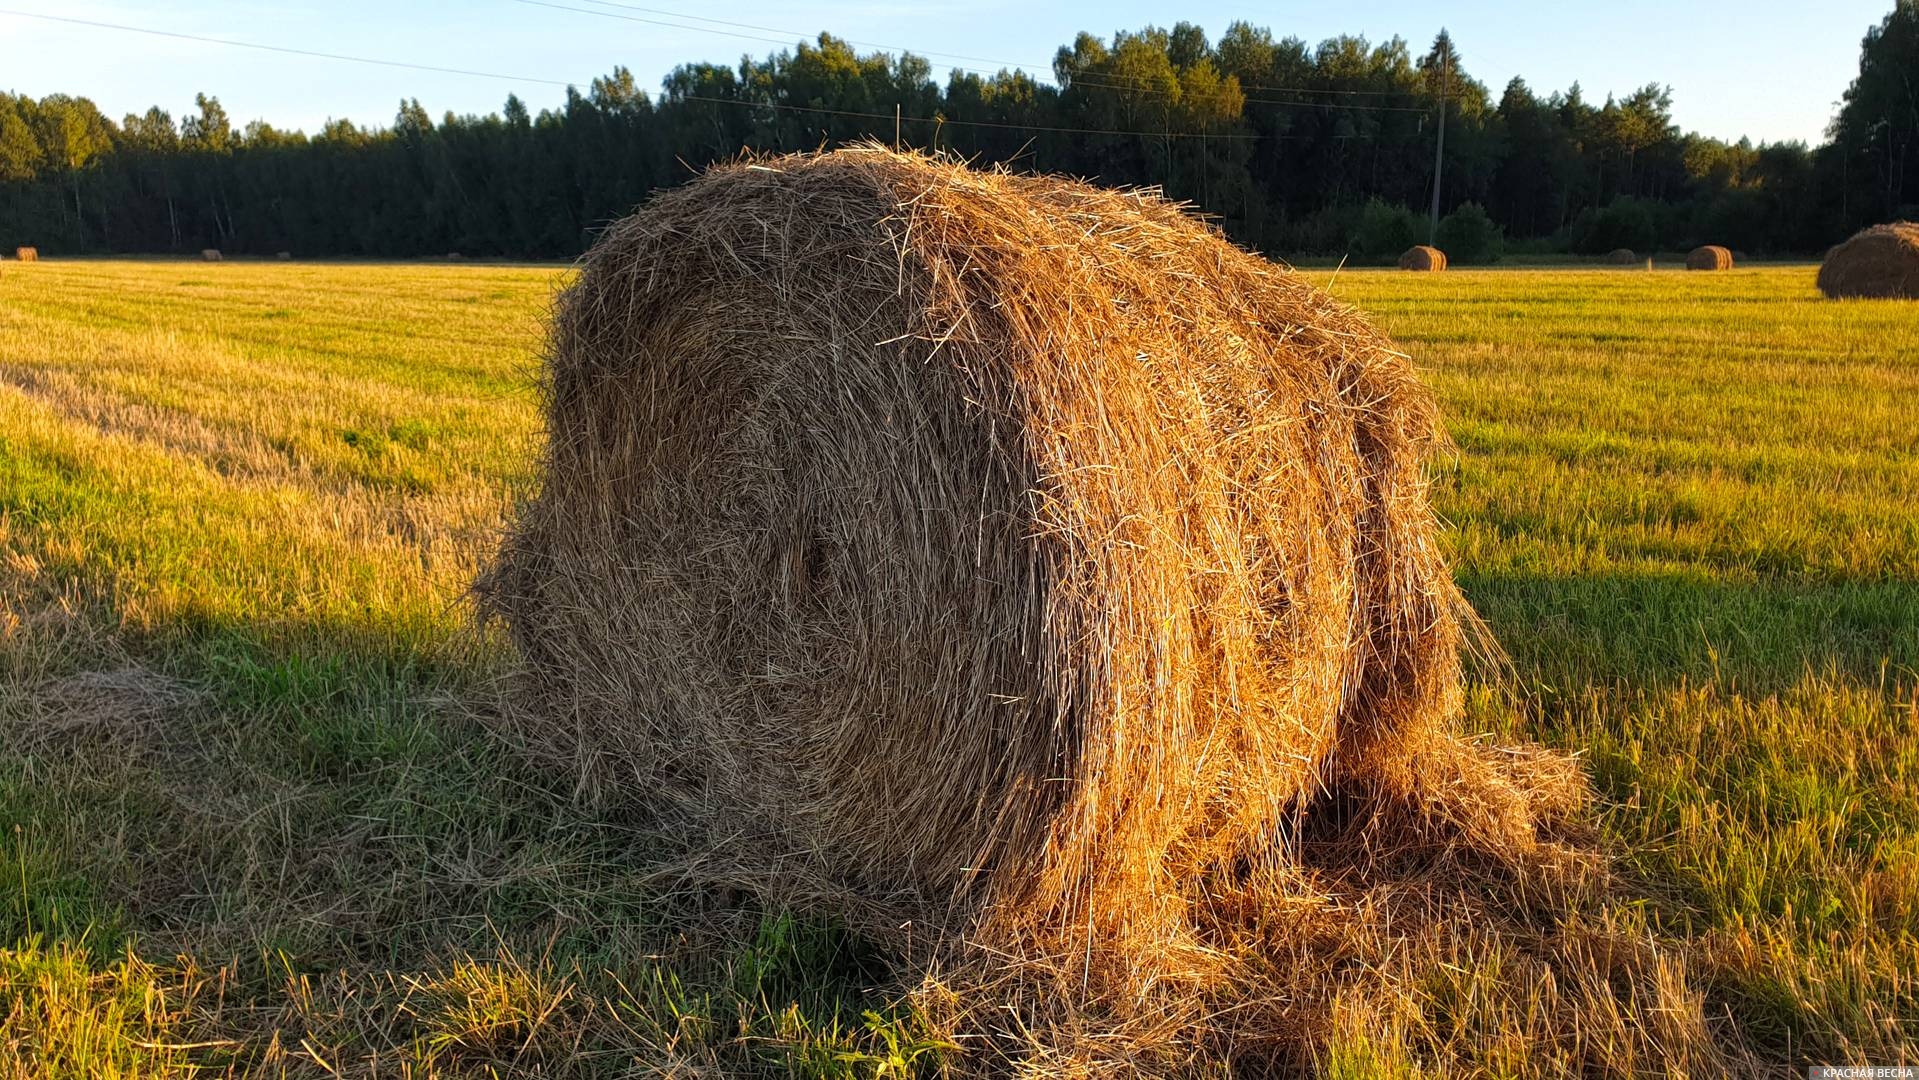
[27,254]
[284,256]
[1877,263]
[1422,257]
[210,254]
[1709,257]
[1622,257]
[978,547]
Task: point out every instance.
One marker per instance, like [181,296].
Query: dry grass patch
[1679,501]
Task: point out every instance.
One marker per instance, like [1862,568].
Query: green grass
[248,822]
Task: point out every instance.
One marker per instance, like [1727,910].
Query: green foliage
[1326,231]
[45,892]
[209,132]
[1876,134]
[1385,231]
[1469,237]
[19,150]
[1626,223]
[1739,218]
[1280,142]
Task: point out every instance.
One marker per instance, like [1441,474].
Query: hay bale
[210,254]
[990,552]
[284,256]
[1421,257]
[1877,263]
[1622,257]
[1709,257]
[27,254]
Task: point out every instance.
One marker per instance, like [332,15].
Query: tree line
[1292,149]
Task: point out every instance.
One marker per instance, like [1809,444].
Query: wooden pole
[1439,154]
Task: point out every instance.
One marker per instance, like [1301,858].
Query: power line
[1018,65]
[655,22]
[737,102]
[786,41]
[794,33]
[940,120]
[1130,83]
[281,48]
[1439,154]
[1092,79]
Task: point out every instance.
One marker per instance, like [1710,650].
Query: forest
[1293,149]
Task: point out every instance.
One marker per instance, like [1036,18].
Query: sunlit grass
[1688,504]
[246,823]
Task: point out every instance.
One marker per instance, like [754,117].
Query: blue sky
[1771,71]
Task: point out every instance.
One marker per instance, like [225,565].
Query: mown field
[249,821]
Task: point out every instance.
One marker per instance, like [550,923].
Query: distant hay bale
[284,256]
[1422,257]
[1877,263]
[27,254]
[1622,257]
[995,555]
[454,256]
[210,254]
[1709,257]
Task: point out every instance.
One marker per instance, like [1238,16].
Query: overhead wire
[1017,65]
[99,24]
[1108,80]
[943,121]
[736,102]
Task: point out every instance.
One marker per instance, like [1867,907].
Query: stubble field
[250,821]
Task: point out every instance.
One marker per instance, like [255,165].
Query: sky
[1772,71]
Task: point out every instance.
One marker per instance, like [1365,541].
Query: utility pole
[1439,155]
